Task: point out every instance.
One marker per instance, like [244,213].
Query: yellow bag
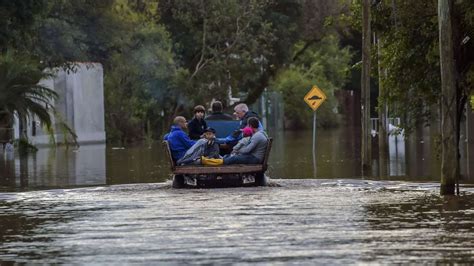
[211,162]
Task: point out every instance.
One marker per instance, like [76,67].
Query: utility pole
[449,104]
[382,110]
[365,89]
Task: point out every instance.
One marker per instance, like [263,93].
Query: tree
[410,56]
[126,37]
[229,46]
[21,94]
[449,100]
[17,20]
[318,19]
[324,64]
[365,87]
[137,92]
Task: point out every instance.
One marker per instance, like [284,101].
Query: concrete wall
[88,103]
[80,106]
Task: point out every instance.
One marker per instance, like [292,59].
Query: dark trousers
[241,159]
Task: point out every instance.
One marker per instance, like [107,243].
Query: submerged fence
[395,121]
[270,107]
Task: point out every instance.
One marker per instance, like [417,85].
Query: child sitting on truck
[206,146]
[247,133]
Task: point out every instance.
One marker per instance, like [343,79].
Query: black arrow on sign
[314,98]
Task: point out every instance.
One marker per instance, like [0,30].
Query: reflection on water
[291,157]
[49,168]
[46,218]
[326,221]
[396,150]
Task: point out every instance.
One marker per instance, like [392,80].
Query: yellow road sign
[315,97]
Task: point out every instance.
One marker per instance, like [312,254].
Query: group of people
[247,145]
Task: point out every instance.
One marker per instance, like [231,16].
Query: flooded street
[105,204]
[347,129]
[291,158]
[302,221]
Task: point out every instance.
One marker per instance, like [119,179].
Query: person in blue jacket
[178,140]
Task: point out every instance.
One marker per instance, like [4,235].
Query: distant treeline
[163,57]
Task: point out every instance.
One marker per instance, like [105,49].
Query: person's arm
[254,141]
[188,143]
[243,122]
[237,147]
[193,130]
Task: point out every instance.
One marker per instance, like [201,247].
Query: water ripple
[290,222]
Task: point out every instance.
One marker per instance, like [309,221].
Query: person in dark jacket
[242,112]
[212,148]
[197,125]
[217,113]
[177,139]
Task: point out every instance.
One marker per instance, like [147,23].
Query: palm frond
[20,91]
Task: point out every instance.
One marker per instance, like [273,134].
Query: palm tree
[20,93]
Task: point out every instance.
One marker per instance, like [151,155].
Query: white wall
[80,105]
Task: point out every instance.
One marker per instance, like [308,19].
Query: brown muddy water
[104,204]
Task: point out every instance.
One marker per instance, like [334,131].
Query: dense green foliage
[323,64]
[229,46]
[125,36]
[409,55]
[17,20]
[161,58]
[20,91]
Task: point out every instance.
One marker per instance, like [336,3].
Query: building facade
[80,106]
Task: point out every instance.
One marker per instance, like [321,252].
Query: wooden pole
[382,110]
[449,151]
[365,89]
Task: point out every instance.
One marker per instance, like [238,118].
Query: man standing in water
[178,140]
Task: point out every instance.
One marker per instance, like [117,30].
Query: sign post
[314,98]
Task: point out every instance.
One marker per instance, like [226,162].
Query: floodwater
[291,158]
[106,204]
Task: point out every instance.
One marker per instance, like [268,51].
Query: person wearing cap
[254,152]
[217,113]
[212,147]
[177,139]
[197,125]
[206,146]
[247,132]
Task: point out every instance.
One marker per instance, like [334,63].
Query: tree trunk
[449,156]
[365,89]
[23,128]
[383,123]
